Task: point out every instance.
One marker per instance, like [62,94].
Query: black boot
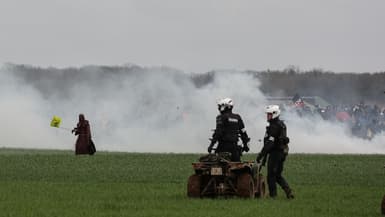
[289,193]
[273,193]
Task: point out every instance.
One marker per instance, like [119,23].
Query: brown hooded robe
[83,131]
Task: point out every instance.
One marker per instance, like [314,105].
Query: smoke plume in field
[315,135]
[138,109]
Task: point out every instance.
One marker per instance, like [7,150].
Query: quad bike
[215,175]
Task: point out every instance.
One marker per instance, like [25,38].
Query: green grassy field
[58,183]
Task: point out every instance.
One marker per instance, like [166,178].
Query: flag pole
[64,128]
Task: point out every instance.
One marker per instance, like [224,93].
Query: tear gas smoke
[137,109]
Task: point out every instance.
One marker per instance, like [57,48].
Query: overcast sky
[196,35]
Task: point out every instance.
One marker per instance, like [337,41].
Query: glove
[258,160]
[246,148]
[210,148]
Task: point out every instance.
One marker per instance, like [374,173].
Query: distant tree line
[337,88]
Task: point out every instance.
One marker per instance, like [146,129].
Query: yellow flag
[55,121]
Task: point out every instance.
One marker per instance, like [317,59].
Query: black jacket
[275,138]
[228,128]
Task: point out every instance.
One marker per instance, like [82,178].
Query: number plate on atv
[216,171]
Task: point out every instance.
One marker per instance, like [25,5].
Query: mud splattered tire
[383,206]
[194,186]
[245,186]
[261,188]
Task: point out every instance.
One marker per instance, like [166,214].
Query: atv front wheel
[194,186]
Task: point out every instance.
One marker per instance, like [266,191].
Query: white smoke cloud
[156,110]
[315,135]
[23,122]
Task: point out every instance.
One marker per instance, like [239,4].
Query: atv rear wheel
[245,186]
[194,186]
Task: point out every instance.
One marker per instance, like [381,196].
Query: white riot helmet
[274,110]
[224,104]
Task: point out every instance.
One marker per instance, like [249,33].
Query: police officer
[276,147]
[228,128]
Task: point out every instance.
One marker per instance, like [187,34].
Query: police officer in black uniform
[276,148]
[228,128]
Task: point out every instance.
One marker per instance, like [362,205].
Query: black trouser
[230,147]
[274,172]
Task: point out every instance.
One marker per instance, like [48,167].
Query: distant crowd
[365,121]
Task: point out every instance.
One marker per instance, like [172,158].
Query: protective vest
[275,136]
[228,128]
